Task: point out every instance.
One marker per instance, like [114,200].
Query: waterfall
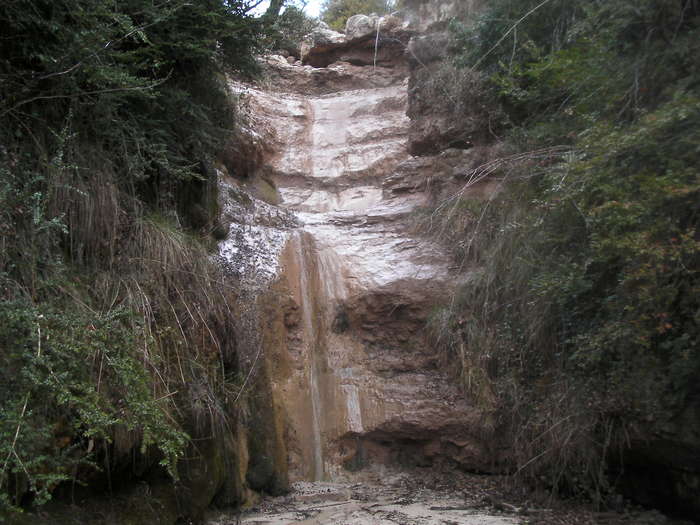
[353,372]
[313,325]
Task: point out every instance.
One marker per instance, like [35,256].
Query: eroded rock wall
[349,153]
[344,283]
[449,107]
[351,285]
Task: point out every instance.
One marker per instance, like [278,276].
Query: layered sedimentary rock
[368,40]
[351,286]
[320,223]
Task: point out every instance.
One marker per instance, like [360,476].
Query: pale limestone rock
[321,40]
[309,80]
[355,375]
[322,35]
[276,60]
[351,367]
[391,24]
[361,26]
[362,44]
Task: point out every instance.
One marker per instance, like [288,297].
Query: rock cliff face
[368,40]
[350,286]
[343,154]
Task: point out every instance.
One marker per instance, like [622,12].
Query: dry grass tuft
[146,263]
[506,347]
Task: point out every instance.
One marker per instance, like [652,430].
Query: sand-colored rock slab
[353,371]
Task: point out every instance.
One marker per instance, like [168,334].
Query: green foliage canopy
[290,28]
[111,114]
[147,69]
[54,411]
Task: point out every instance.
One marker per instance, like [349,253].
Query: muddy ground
[427,498]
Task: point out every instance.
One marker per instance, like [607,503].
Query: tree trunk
[273,10]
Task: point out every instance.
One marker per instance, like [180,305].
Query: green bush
[290,28]
[148,71]
[111,310]
[68,379]
[580,329]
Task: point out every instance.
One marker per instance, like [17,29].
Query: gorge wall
[182,331]
[345,283]
[354,142]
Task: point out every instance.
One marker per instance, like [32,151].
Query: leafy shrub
[290,28]
[111,312]
[580,326]
[68,379]
[150,71]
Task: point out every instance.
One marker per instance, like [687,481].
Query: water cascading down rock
[351,286]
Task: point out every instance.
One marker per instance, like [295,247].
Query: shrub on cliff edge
[113,315]
[581,326]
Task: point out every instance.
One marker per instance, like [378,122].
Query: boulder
[322,41]
[361,45]
[361,26]
[322,35]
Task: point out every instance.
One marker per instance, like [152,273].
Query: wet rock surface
[351,284]
[356,376]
